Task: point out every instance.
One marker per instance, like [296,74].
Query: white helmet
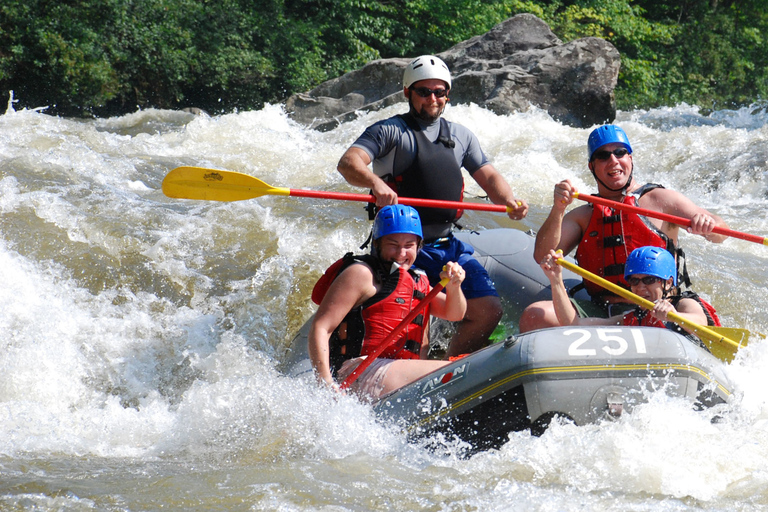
[426,67]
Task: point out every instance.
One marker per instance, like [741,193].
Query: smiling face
[429,108]
[612,172]
[649,291]
[400,248]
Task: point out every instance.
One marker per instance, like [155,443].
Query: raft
[581,374]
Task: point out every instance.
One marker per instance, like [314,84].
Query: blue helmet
[652,261]
[606,134]
[397,218]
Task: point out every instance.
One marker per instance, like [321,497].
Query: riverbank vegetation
[106,57]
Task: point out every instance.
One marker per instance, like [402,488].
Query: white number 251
[613,345]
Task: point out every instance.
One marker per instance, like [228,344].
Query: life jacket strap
[412,346]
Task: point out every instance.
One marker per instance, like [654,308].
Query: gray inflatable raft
[582,374]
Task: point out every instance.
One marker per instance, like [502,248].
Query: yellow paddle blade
[740,336]
[722,351]
[216,185]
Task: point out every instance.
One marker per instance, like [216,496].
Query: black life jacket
[434,173]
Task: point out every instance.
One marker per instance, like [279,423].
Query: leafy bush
[104,57]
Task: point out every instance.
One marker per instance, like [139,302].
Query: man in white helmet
[420,154]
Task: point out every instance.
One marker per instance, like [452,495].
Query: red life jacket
[640,317]
[366,326]
[611,236]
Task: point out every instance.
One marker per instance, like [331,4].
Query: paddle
[391,337]
[218,185]
[681,221]
[720,345]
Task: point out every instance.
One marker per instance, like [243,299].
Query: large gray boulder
[518,64]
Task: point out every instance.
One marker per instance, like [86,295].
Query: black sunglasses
[424,92]
[605,155]
[647,280]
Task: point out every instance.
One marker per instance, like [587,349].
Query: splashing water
[140,334]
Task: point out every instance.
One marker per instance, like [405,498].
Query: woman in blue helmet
[652,274]
[604,237]
[362,298]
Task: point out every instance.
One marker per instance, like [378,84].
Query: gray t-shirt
[380,139]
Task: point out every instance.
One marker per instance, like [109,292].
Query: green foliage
[722,63]
[109,56]
[639,41]
[42,51]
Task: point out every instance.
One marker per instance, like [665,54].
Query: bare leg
[538,315]
[404,371]
[482,317]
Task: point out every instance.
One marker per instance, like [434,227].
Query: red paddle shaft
[391,338]
[669,218]
[410,201]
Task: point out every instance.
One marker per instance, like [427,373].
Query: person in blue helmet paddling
[604,237]
[363,298]
[421,154]
[652,274]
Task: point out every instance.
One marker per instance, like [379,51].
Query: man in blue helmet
[420,154]
[604,237]
[652,275]
[363,298]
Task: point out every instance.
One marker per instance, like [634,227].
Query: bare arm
[452,305]
[675,203]
[354,167]
[351,287]
[499,191]
[561,231]
[566,313]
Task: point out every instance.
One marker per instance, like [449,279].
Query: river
[140,336]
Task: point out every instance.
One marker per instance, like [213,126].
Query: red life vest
[640,317]
[611,236]
[366,326]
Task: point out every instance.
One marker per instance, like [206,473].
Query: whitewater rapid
[140,335]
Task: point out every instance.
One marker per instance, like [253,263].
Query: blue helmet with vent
[397,218]
[606,134]
[652,261]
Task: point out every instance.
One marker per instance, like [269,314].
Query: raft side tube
[585,374]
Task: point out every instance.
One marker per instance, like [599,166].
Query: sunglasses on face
[647,280]
[605,155]
[424,92]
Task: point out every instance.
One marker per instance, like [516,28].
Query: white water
[139,335]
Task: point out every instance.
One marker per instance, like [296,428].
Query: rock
[518,64]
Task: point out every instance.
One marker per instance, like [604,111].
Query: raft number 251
[613,345]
